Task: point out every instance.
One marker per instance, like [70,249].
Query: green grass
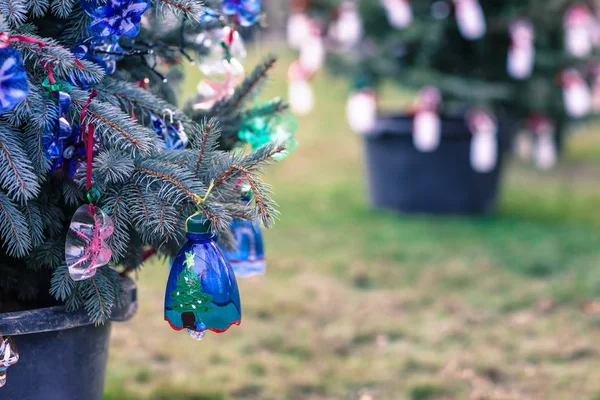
[366,304]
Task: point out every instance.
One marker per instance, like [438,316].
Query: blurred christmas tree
[527,61]
[97,80]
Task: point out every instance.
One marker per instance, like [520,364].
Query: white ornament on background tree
[361,110]
[576,94]
[298,29]
[545,153]
[427,129]
[312,50]
[521,53]
[470,19]
[399,13]
[347,29]
[300,93]
[484,143]
[578,25]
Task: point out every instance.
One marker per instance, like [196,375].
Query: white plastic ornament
[312,51]
[399,13]
[347,29]
[298,29]
[361,110]
[576,94]
[470,19]
[578,25]
[545,147]
[427,129]
[300,93]
[484,143]
[215,62]
[521,53]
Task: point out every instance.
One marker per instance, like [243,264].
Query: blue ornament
[122,20]
[172,134]
[105,52]
[13,79]
[248,257]
[202,292]
[245,11]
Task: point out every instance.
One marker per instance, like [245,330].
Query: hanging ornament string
[87,131]
[199,202]
[5,41]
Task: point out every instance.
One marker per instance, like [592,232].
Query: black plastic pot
[441,182]
[62,356]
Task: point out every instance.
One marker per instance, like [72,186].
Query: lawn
[361,304]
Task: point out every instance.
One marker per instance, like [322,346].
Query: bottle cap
[198,225]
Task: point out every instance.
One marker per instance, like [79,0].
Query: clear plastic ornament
[312,53]
[8,356]
[470,19]
[521,54]
[86,249]
[347,29]
[399,13]
[576,94]
[578,25]
[226,51]
[484,143]
[298,29]
[361,110]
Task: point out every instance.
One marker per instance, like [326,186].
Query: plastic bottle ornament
[115,17]
[361,110]
[298,29]
[279,128]
[211,91]
[578,25]
[105,52]
[13,78]
[300,93]
[427,128]
[202,292]
[312,51]
[86,248]
[484,143]
[248,258]
[521,53]
[245,11]
[399,13]
[545,153]
[576,94]
[8,356]
[226,51]
[470,19]
[347,29]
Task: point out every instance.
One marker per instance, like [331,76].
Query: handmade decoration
[247,258]
[521,53]
[279,128]
[54,141]
[300,93]
[105,52]
[202,292]
[210,91]
[115,17]
[226,51]
[470,19]
[245,12]
[576,94]
[427,128]
[578,25]
[484,143]
[298,29]
[545,154]
[8,356]
[399,13]
[347,29]
[361,110]
[170,132]
[13,78]
[312,50]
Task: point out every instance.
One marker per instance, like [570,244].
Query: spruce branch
[13,228]
[61,284]
[17,174]
[14,11]
[62,8]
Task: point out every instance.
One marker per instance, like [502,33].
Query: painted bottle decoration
[300,93]
[399,13]
[202,292]
[545,154]
[470,19]
[298,29]
[484,143]
[576,94]
[9,356]
[248,257]
[578,26]
[361,110]
[312,50]
[521,53]
[427,130]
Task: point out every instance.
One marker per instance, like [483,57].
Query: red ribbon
[87,131]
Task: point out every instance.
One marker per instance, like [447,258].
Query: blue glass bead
[200,258]
[13,79]
[248,257]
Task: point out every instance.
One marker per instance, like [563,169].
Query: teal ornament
[279,128]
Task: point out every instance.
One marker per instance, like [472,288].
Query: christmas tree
[527,61]
[88,94]
[188,297]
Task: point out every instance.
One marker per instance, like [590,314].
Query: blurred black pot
[62,356]
[441,182]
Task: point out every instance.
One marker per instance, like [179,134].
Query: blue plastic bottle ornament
[13,79]
[245,11]
[248,257]
[115,17]
[202,292]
